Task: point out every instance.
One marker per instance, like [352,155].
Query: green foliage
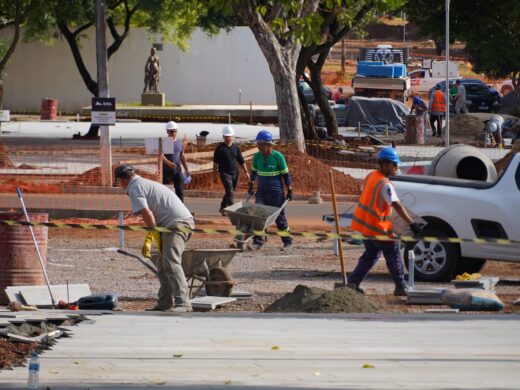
[490,29]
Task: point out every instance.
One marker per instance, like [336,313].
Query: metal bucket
[19,263]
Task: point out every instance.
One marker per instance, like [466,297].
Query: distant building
[212,71]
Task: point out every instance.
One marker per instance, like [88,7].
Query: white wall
[210,72]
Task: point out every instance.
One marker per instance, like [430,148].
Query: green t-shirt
[270,170]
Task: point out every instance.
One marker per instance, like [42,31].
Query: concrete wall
[210,72]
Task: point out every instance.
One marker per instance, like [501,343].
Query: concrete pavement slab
[200,351]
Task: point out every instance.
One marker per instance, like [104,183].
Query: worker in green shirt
[270,168]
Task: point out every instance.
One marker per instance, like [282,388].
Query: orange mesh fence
[61,169]
[58,169]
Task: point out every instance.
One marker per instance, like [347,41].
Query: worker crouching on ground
[160,207]
[174,160]
[226,159]
[271,169]
[372,217]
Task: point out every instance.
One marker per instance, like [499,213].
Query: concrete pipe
[463,162]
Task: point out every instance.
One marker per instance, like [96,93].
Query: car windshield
[476,89]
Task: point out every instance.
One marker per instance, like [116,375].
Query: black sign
[103,111]
[103,104]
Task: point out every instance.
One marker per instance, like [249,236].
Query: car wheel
[435,261]
[469,265]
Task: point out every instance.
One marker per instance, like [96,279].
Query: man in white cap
[226,159]
[174,161]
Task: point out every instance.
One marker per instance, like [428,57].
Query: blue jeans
[370,257]
[274,199]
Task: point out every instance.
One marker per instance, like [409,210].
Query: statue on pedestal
[152,72]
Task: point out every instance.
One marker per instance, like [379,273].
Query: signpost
[105,153]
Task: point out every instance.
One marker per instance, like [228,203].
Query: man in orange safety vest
[437,110]
[372,218]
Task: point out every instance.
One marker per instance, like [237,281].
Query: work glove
[251,189]
[147,245]
[289,194]
[416,228]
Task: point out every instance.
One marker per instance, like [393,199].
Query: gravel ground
[83,256]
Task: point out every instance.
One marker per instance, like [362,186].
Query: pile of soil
[308,173]
[466,125]
[14,354]
[317,300]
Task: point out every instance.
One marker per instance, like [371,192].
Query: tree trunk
[322,100]
[440,45]
[308,124]
[281,56]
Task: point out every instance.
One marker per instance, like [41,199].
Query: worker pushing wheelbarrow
[271,170]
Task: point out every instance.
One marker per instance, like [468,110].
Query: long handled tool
[151,268]
[36,246]
[338,231]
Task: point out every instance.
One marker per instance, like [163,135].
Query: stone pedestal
[153,99]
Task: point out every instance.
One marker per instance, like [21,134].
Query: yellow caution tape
[234,232]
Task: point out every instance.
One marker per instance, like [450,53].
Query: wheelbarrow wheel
[221,289]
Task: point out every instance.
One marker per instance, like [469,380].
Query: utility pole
[447,51]
[105,152]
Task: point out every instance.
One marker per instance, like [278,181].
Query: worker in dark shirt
[226,159]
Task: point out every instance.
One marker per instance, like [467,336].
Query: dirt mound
[14,354]
[466,125]
[316,300]
[308,173]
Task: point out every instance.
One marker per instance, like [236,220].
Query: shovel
[150,267]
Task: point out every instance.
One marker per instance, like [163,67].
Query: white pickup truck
[465,209]
[423,80]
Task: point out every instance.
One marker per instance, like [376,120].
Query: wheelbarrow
[205,266]
[249,217]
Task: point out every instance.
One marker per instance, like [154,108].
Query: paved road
[116,202]
[270,352]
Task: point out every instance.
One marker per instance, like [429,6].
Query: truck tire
[434,261]
[469,265]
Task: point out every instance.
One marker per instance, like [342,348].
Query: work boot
[180,309]
[222,212]
[400,291]
[257,247]
[356,287]
[286,247]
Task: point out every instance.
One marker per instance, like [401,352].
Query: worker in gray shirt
[160,207]
[460,99]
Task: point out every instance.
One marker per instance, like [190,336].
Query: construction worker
[420,109]
[437,111]
[372,217]
[460,99]
[271,169]
[174,161]
[159,206]
[494,130]
[226,159]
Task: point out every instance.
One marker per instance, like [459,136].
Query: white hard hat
[171,125]
[228,131]
[493,127]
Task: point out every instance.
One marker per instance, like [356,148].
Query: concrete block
[153,99]
[39,295]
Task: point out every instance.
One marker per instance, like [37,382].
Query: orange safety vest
[368,219]
[439,103]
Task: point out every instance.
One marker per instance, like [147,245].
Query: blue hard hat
[390,154]
[264,136]
[416,99]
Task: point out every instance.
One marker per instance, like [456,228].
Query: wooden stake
[336,221]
